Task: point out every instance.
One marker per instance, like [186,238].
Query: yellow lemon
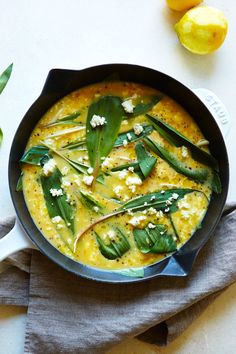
[202,30]
[181,5]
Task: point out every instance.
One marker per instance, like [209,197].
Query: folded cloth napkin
[68,314]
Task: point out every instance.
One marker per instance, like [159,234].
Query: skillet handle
[59,80]
[14,241]
[216,107]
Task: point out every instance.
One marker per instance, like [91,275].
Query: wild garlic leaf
[1,136]
[68,119]
[177,139]
[147,129]
[154,240]
[75,144]
[156,200]
[131,272]
[116,248]
[142,108]
[34,155]
[58,205]
[145,160]
[199,174]
[4,77]
[100,139]
[90,202]
[19,186]
[134,165]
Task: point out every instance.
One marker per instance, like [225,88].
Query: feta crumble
[135,221]
[111,234]
[97,121]
[96,209]
[132,188]
[56,219]
[56,192]
[117,190]
[128,106]
[175,196]
[123,174]
[49,167]
[184,151]
[151,226]
[125,142]
[138,129]
[131,169]
[65,183]
[90,170]
[129,136]
[167,210]
[88,180]
[133,180]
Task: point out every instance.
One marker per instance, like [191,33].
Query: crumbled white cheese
[90,170]
[131,169]
[162,232]
[167,210]
[65,170]
[96,209]
[56,219]
[49,167]
[123,174]
[133,180]
[175,196]
[129,136]
[88,180]
[184,151]
[117,190]
[97,121]
[153,198]
[151,226]
[107,162]
[132,188]
[151,211]
[138,129]
[162,192]
[125,122]
[85,158]
[125,142]
[135,221]
[168,202]
[65,183]
[56,192]
[128,106]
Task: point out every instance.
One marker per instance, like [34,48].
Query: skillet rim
[184,257]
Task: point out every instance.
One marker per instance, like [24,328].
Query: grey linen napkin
[68,314]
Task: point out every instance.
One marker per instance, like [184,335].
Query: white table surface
[40,35]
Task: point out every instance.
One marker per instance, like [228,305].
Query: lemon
[202,30]
[181,5]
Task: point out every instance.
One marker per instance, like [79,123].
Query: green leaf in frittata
[57,205]
[116,248]
[90,202]
[177,139]
[199,174]
[100,139]
[147,129]
[155,240]
[145,160]
[34,155]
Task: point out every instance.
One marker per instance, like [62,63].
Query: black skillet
[60,83]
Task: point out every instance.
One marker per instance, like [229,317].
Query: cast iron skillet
[60,83]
